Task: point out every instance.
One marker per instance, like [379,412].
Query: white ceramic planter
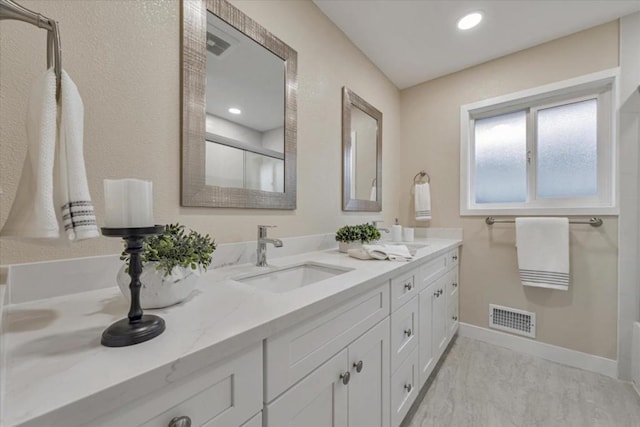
[158,290]
[345,246]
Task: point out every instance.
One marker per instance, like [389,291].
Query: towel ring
[421,175]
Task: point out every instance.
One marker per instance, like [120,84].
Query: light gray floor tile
[482,385]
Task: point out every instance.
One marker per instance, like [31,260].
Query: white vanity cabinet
[350,389]
[226,394]
[438,314]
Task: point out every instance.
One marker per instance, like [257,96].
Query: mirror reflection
[244,111]
[364,131]
[361,154]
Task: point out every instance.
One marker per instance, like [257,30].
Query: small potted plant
[172,263]
[353,236]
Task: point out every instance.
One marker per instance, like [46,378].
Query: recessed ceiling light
[469,21]
[235,111]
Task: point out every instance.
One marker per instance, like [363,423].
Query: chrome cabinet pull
[408,286]
[455,285]
[408,332]
[358,366]
[345,377]
[408,387]
[455,257]
[180,422]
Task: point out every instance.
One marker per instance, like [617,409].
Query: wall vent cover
[512,320]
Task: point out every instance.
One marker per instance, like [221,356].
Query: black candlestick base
[124,333]
[137,327]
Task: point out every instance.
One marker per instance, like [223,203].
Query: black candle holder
[138,327]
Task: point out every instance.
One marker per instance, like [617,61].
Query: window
[547,151]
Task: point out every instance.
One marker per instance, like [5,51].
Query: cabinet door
[452,302]
[369,389]
[427,343]
[439,323]
[319,400]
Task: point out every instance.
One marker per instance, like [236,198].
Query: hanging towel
[71,189]
[53,193]
[543,252]
[33,214]
[374,194]
[422,194]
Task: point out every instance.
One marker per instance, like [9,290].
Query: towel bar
[594,222]
[11,10]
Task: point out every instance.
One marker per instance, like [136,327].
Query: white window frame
[601,85]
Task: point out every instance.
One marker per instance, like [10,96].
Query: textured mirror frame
[195,192]
[351,100]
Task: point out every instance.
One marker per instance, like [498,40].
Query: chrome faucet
[262,244]
[375,224]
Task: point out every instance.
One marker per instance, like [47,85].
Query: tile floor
[482,385]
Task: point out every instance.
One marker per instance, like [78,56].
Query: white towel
[390,252]
[71,189]
[53,192]
[422,194]
[374,194]
[33,214]
[543,252]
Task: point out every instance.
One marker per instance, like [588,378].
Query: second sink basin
[293,277]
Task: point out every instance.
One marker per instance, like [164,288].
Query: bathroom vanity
[352,349]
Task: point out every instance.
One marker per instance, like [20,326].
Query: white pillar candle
[128,203]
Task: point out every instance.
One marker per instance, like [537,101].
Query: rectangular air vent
[512,320]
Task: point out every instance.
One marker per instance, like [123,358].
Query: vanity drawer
[404,388]
[404,332]
[294,353]
[452,284]
[431,270]
[225,394]
[403,288]
[452,258]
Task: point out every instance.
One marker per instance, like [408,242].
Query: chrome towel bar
[594,221]
[12,10]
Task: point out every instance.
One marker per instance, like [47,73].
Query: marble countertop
[56,367]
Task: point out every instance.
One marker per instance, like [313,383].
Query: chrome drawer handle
[455,285]
[180,422]
[408,387]
[455,257]
[408,286]
[358,366]
[345,377]
[408,332]
[455,317]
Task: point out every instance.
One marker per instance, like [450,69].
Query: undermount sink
[293,277]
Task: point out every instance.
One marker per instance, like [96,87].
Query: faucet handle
[376,223]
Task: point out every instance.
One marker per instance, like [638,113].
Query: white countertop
[56,365]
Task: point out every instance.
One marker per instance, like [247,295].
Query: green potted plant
[172,263]
[353,236]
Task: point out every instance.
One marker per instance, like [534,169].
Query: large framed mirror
[361,154]
[239,111]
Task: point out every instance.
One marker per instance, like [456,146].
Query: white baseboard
[565,356]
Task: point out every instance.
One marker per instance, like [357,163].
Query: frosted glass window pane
[568,150]
[501,158]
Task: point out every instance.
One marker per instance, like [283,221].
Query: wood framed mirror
[239,111]
[361,154]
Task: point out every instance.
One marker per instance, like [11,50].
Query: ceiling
[413,41]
